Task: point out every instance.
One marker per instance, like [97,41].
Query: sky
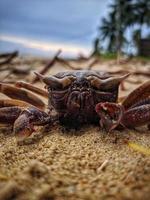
[43,26]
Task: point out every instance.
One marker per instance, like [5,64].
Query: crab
[74,98]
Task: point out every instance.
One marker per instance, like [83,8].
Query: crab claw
[22,127]
[30,117]
[110,115]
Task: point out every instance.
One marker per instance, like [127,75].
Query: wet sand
[88,164]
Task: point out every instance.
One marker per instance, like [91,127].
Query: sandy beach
[88,164]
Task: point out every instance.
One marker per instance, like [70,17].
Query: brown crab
[74,98]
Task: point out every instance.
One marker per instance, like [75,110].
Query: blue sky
[43,26]
[68,22]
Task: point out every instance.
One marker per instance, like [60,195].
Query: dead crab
[77,97]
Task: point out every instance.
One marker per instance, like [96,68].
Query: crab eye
[55,82]
[108,83]
[62,83]
[94,81]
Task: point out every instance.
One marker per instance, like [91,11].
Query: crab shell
[75,94]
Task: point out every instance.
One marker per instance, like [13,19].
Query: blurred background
[89,27]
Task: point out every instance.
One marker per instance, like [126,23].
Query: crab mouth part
[80,100]
[110,115]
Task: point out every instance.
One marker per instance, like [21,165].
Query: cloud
[67,48]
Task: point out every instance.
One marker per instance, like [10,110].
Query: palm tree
[136,36]
[113,27]
[142,12]
[96,47]
[108,31]
[124,14]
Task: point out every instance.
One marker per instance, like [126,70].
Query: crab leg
[24,119]
[141,93]
[136,116]
[8,115]
[142,102]
[20,94]
[28,86]
[13,102]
